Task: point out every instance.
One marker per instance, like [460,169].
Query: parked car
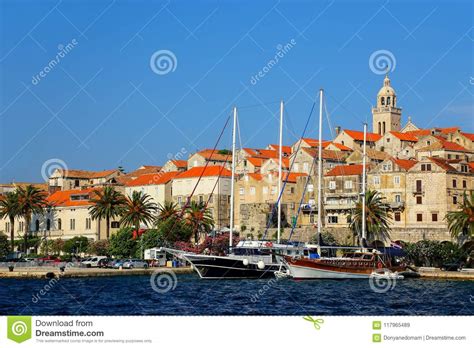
[135,263]
[103,263]
[452,266]
[117,263]
[93,261]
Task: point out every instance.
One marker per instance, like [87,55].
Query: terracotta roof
[354,169]
[153,179]
[404,163]
[444,144]
[196,172]
[419,132]
[292,177]
[442,163]
[264,153]
[74,173]
[255,176]
[471,165]
[124,179]
[63,198]
[327,154]
[285,149]
[469,135]
[357,135]
[250,151]
[315,142]
[208,155]
[448,130]
[180,163]
[257,162]
[377,155]
[340,146]
[404,136]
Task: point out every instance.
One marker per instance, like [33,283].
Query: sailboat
[362,263]
[248,259]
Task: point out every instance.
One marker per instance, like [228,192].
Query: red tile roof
[63,198]
[471,165]
[469,135]
[209,155]
[449,145]
[87,174]
[403,163]
[442,163]
[292,177]
[419,132]
[180,163]
[257,162]
[255,176]
[285,149]
[153,179]
[358,135]
[315,142]
[448,130]
[196,172]
[340,146]
[354,169]
[405,136]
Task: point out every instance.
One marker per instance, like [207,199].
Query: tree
[99,247]
[199,219]
[31,200]
[76,245]
[107,204]
[4,246]
[461,222]
[9,209]
[138,209]
[122,244]
[378,217]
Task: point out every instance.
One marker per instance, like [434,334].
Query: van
[93,261]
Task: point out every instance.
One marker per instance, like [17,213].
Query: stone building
[68,179]
[386,116]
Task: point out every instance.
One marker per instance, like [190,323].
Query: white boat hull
[300,272]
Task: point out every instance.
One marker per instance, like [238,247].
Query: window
[241,191]
[211,198]
[180,201]
[419,200]
[455,183]
[426,167]
[310,188]
[88,223]
[387,167]
[311,219]
[388,100]
[419,186]
[37,225]
[397,216]
[292,190]
[305,166]
[434,217]
[348,184]
[76,183]
[201,199]
[115,224]
[252,190]
[376,180]
[332,219]
[455,199]
[388,140]
[332,185]
[60,224]
[464,184]
[7,226]
[72,224]
[245,163]
[396,180]
[382,100]
[265,190]
[20,226]
[48,224]
[398,198]
[419,217]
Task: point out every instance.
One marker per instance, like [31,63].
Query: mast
[320,167]
[363,185]
[280,156]
[232,179]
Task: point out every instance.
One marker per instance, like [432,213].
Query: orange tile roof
[442,163]
[63,198]
[255,176]
[180,163]
[250,151]
[209,155]
[264,153]
[404,136]
[257,162]
[153,179]
[88,174]
[448,130]
[403,163]
[315,142]
[196,172]
[292,177]
[358,135]
[471,165]
[340,146]
[469,135]
[449,145]
[419,132]
[285,149]
[354,169]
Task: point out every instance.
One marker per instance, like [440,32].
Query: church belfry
[386,116]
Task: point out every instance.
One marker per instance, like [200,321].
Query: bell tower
[386,116]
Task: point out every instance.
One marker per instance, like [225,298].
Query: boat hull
[226,267]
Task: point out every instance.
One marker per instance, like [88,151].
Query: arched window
[380,128]
[48,225]
[383,128]
[37,225]
[382,101]
[60,225]
[388,100]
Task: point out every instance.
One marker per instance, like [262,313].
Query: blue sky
[102,105]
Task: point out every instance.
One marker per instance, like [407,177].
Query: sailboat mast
[320,164]
[363,184]
[280,157]
[232,179]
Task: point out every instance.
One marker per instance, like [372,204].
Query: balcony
[397,205]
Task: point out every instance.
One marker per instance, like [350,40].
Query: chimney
[338,130]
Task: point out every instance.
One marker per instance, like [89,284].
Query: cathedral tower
[386,116]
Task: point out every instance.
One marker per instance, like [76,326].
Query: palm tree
[461,222]
[31,200]
[199,218]
[377,217]
[9,208]
[167,211]
[107,205]
[138,209]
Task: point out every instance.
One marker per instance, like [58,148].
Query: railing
[397,205]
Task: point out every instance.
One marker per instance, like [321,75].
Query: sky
[101,84]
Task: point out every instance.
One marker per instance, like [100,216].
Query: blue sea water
[189,295]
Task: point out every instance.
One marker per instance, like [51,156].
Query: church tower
[386,116]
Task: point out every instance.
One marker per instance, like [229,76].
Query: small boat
[386,274]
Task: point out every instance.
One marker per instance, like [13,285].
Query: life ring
[379,265]
[269,244]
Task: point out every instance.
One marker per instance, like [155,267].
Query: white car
[93,261]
